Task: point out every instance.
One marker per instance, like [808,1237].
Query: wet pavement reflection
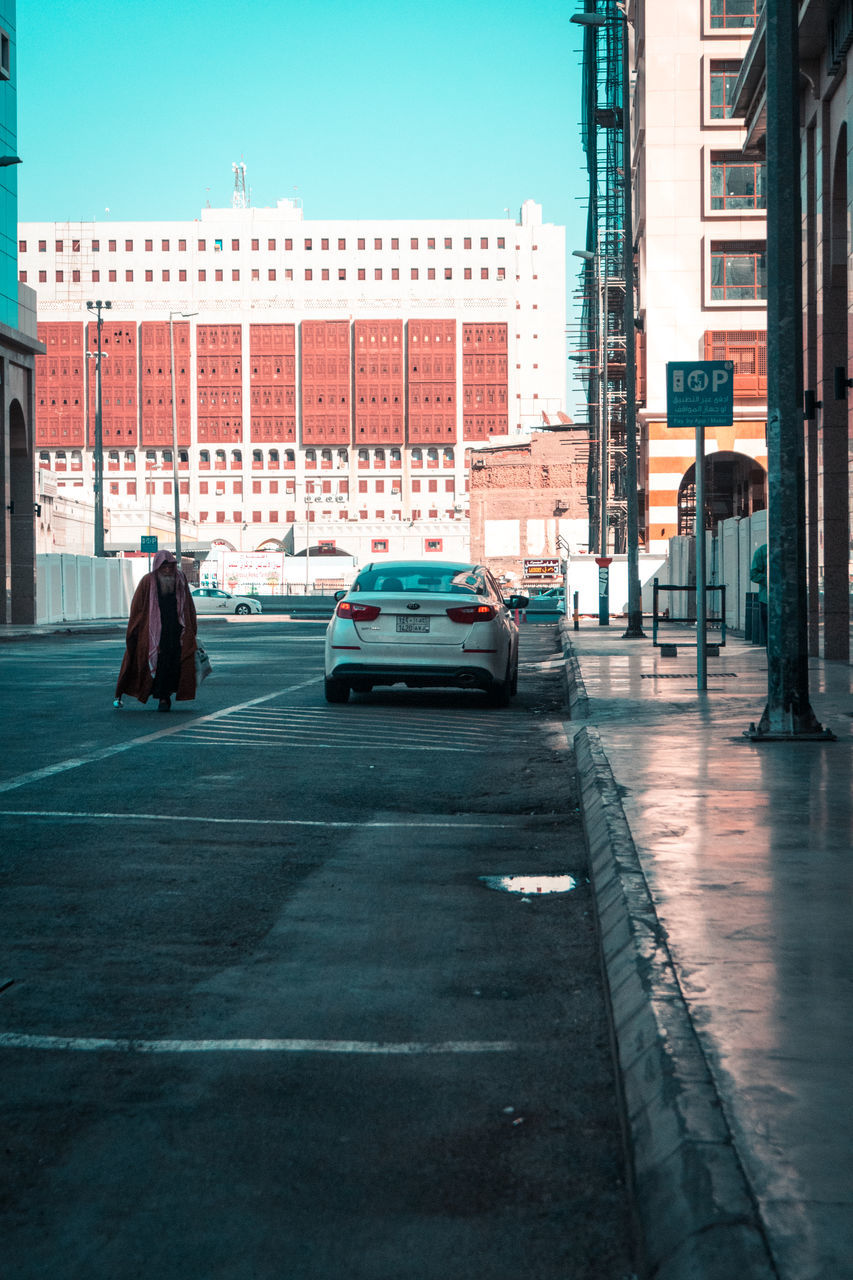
[747,850]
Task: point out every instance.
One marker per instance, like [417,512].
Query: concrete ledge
[576,695]
[698,1219]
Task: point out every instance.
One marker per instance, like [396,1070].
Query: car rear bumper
[416,677]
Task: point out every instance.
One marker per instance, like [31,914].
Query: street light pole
[176,479]
[97,308]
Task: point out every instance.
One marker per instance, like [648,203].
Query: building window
[202,245]
[377,243]
[432,544]
[448,273]
[377,273]
[467,273]
[182,246]
[149,276]
[128,246]
[5,63]
[256,244]
[738,271]
[308,274]
[361,273]
[256,274]
[218,273]
[165,274]
[361,242]
[395,243]
[149,246]
[431,273]
[235,246]
[431,242]
[113,274]
[484,273]
[414,242]
[501,242]
[395,273]
[342,244]
[342,273]
[111,245]
[484,242]
[22,276]
[737,182]
[724,76]
[324,274]
[202,274]
[271,274]
[128,275]
[734,13]
[414,273]
[379,544]
[182,274]
[309,244]
[235,273]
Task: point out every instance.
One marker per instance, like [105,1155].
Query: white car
[214,600]
[423,623]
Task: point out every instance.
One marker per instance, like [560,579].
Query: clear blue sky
[373,108]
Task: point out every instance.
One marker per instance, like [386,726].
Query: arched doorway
[735,485]
[22,528]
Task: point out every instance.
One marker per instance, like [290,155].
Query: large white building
[330,377]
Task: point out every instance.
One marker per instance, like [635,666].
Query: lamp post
[634,630]
[176,481]
[97,307]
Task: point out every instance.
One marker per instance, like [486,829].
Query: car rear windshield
[417,578]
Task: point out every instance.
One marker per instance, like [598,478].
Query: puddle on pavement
[530,884]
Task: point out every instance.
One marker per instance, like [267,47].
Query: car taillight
[357,612]
[472,613]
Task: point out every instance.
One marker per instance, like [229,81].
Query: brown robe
[135,676]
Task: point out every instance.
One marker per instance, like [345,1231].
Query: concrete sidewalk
[723,873]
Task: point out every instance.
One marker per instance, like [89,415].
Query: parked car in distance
[423,623]
[215,600]
[548,598]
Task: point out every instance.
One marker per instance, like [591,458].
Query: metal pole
[701,572]
[603,442]
[99,448]
[176,481]
[788,714]
[634,630]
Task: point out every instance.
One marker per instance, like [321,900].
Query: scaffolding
[600,357]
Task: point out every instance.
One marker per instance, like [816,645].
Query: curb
[576,695]
[697,1216]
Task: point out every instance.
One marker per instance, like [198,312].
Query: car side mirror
[517,602]
[339,595]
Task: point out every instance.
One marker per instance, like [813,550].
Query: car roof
[390,565]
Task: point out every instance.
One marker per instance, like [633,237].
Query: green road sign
[148,542]
[699,393]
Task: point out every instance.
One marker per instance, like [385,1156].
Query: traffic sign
[148,542]
[699,393]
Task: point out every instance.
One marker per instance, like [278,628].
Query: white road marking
[450,825]
[15,1040]
[62,766]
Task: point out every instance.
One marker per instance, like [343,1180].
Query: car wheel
[336,690]
[242,608]
[501,692]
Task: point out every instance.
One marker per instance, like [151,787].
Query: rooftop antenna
[240,199]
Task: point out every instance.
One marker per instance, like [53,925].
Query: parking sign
[700,393]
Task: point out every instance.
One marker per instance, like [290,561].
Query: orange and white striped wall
[671,452]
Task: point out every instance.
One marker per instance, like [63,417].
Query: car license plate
[413,624]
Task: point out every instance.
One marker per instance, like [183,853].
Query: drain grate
[687,675]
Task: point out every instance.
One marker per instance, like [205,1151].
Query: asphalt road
[265,1016]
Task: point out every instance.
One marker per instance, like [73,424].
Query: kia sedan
[213,600]
[423,624]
